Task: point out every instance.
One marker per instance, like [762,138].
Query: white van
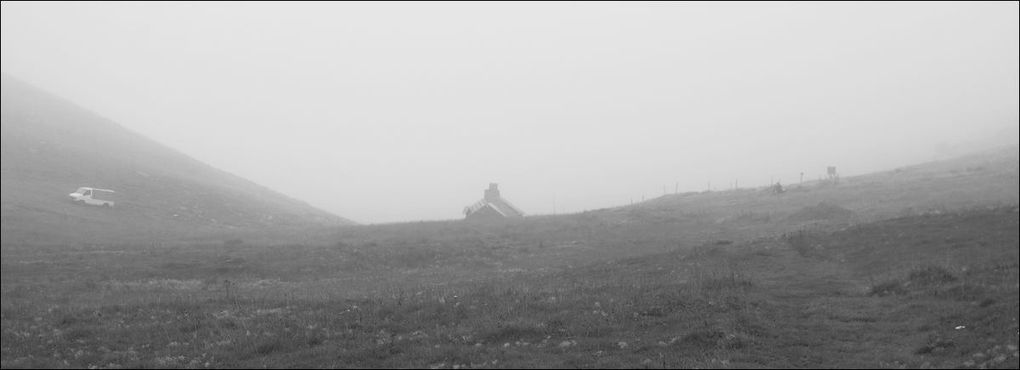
[93,196]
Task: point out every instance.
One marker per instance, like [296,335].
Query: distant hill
[982,178]
[51,146]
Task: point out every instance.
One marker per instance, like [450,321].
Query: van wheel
[106,205]
[79,202]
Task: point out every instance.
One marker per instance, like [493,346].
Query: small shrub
[191,326]
[705,339]
[79,333]
[966,292]
[228,324]
[556,325]
[801,243]
[931,276]
[314,340]
[724,278]
[935,344]
[654,312]
[733,341]
[748,325]
[891,287]
[924,277]
[271,346]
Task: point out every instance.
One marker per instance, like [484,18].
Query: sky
[394,112]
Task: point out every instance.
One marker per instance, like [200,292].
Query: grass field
[914,268]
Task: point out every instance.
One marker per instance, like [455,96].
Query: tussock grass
[802,242]
[758,304]
[930,278]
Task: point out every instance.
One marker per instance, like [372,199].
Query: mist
[406,111]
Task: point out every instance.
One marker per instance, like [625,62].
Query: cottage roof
[500,205]
[494,201]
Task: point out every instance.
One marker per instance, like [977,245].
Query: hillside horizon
[18,140]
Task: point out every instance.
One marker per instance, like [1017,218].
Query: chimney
[492,193]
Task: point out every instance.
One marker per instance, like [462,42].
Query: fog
[407,111]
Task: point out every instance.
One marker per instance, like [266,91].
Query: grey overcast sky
[388,112]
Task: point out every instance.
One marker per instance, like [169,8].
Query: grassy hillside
[915,267]
[51,146]
[918,291]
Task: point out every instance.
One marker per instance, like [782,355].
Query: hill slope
[910,268]
[51,146]
[984,178]
[922,291]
